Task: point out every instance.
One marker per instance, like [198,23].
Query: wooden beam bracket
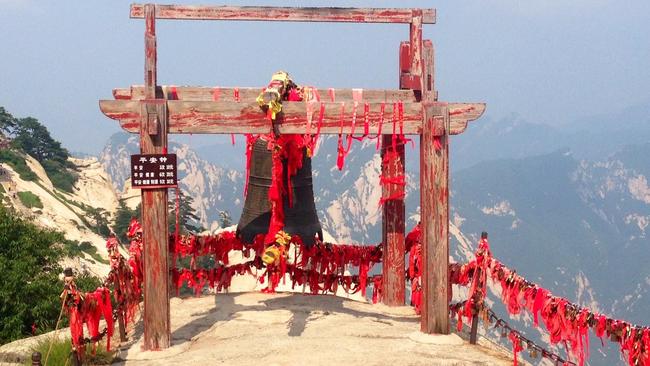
[410,81]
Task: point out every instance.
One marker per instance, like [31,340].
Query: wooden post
[415,51]
[36,359]
[428,78]
[120,310]
[393,211]
[153,140]
[434,210]
[76,357]
[434,192]
[121,326]
[393,228]
[473,334]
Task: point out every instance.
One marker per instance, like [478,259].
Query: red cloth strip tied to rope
[322,266]
[516,346]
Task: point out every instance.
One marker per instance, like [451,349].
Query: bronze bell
[301,219]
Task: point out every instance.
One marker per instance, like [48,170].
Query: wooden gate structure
[155,111]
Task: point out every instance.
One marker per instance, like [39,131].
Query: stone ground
[295,329]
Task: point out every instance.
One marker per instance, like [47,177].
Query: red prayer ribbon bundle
[89,308]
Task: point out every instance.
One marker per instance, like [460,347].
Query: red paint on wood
[404,59]
[410,81]
[287,14]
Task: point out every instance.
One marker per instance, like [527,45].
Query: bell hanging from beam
[300,218]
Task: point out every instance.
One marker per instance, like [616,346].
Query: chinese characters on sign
[153,171]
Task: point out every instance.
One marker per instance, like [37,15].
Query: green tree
[7,122]
[29,291]
[187,219]
[31,137]
[34,139]
[99,218]
[225,219]
[123,218]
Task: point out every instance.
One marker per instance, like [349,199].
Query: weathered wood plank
[286,14]
[152,125]
[428,79]
[231,117]
[247,94]
[206,117]
[415,52]
[127,112]
[150,53]
[434,211]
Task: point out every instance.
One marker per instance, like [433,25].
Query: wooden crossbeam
[248,94]
[286,14]
[206,117]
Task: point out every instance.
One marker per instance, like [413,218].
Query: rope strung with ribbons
[565,322]
[87,308]
[517,339]
[323,266]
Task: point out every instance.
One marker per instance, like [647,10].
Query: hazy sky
[548,61]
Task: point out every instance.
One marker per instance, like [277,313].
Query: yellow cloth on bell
[271,254]
[271,97]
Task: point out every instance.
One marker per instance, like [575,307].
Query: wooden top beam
[232,117]
[202,93]
[286,14]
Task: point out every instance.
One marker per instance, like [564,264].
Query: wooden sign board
[153,171]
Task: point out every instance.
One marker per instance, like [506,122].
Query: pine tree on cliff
[188,221]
